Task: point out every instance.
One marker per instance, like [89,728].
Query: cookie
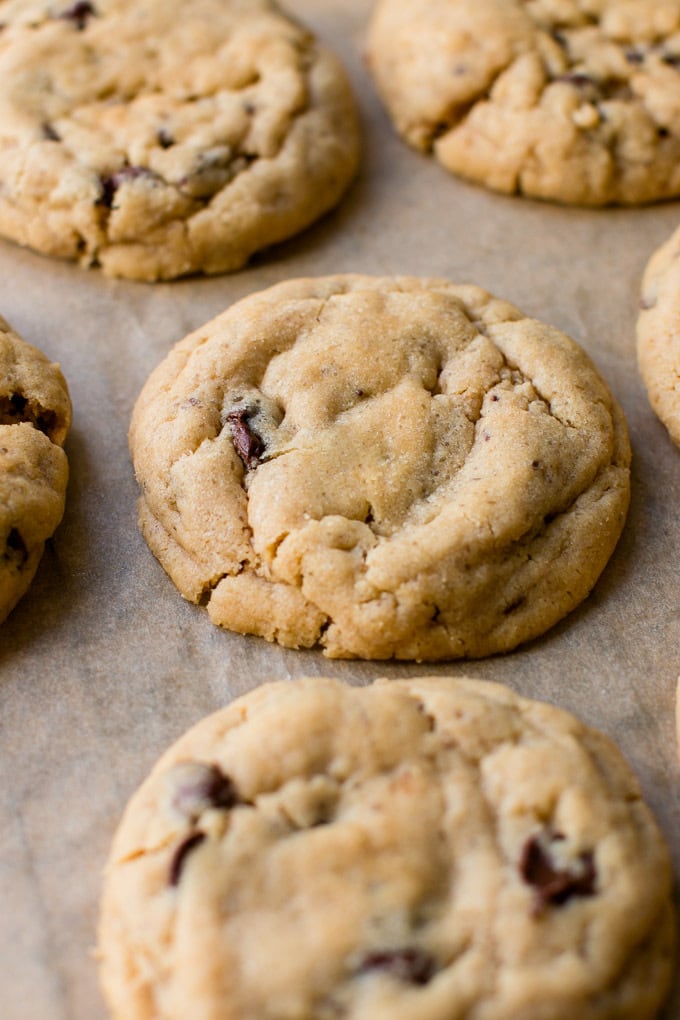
[576,101]
[421,848]
[158,138]
[658,334]
[383,466]
[35,415]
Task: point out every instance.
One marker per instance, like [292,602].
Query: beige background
[103,664]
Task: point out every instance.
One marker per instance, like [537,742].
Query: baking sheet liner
[103,664]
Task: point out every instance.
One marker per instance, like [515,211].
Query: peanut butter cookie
[577,101]
[35,415]
[658,334]
[423,848]
[384,466]
[158,138]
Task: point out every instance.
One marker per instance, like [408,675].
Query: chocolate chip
[165,139]
[198,787]
[80,13]
[576,78]
[180,855]
[111,183]
[247,443]
[552,884]
[672,59]
[50,133]
[634,56]
[411,965]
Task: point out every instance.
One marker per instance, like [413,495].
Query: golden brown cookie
[383,466]
[158,138]
[658,334]
[429,848]
[35,415]
[576,101]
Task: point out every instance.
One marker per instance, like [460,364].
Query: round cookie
[658,334]
[576,101]
[429,848]
[35,415]
[384,466]
[158,138]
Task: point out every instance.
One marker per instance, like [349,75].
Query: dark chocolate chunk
[672,59]
[180,855]
[200,786]
[552,884]
[50,133]
[248,445]
[576,78]
[634,56]
[165,139]
[111,183]
[80,13]
[411,965]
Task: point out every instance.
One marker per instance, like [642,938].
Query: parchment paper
[103,664]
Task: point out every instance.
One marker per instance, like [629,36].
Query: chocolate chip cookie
[658,334]
[158,138]
[35,415]
[432,847]
[383,466]
[576,101]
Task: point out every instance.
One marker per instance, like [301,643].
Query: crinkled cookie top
[427,848]
[572,100]
[658,333]
[35,416]
[385,466]
[164,137]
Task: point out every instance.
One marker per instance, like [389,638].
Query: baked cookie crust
[35,415]
[658,334]
[388,467]
[425,848]
[158,138]
[576,101]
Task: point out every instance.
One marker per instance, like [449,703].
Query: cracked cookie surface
[658,334]
[576,101]
[35,415]
[384,466]
[166,137]
[427,848]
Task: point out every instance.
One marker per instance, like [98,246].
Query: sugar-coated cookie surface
[576,101]
[35,415]
[658,334]
[158,138]
[384,466]
[413,850]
